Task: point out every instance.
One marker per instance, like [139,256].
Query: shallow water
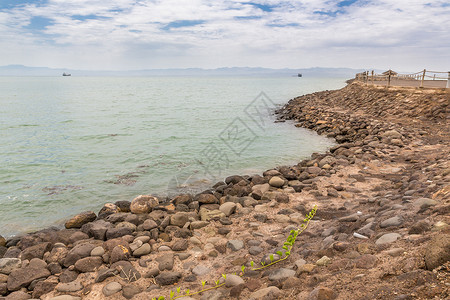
[70,144]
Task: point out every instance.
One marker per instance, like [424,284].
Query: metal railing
[421,79]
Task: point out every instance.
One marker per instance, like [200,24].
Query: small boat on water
[299,75]
[67,74]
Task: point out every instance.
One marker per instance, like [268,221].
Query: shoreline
[386,138]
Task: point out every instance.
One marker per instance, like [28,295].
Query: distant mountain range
[20,70]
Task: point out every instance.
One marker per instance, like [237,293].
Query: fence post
[448,80]
[372,76]
[389,78]
[423,78]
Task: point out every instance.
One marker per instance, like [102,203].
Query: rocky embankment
[381,229]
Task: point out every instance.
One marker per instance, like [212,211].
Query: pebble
[69,287]
[281,274]
[201,270]
[142,250]
[233,280]
[394,221]
[235,245]
[111,288]
[388,238]
[98,251]
[269,293]
[323,261]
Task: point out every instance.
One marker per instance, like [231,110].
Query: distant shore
[384,207]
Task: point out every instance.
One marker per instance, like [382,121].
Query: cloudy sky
[405,35]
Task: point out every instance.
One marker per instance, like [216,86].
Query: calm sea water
[71,144]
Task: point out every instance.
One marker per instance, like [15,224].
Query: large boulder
[80,219]
[143,204]
[23,277]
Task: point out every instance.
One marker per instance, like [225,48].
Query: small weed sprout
[288,245]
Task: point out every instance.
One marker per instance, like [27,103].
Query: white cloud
[127,34]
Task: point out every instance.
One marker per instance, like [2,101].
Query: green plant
[287,246]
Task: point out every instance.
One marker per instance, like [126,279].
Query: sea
[71,144]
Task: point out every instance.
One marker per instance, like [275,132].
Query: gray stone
[69,287]
[269,293]
[322,293]
[276,181]
[111,288]
[437,251]
[88,264]
[235,245]
[180,245]
[19,295]
[7,265]
[394,221]
[388,238]
[23,277]
[198,224]
[425,202]
[80,219]
[168,278]
[255,250]
[179,219]
[126,271]
[165,262]
[129,291]
[201,270]
[228,208]
[36,251]
[233,280]
[281,274]
[98,251]
[149,224]
[105,273]
[143,250]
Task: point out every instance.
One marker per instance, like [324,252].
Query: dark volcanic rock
[80,219]
[23,277]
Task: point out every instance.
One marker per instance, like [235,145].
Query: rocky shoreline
[381,229]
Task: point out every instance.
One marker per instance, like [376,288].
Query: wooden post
[423,78]
[367,77]
[448,80]
[372,76]
[389,78]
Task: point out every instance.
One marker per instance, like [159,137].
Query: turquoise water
[70,144]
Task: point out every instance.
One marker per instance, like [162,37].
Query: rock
[233,280]
[419,227]
[228,208]
[394,221]
[23,277]
[98,251]
[96,229]
[65,297]
[235,245]
[208,215]
[388,238]
[88,264]
[43,287]
[292,282]
[80,219]
[78,252]
[168,278]
[206,199]
[198,224]
[179,219]
[149,224]
[68,276]
[424,203]
[105,273]
[269,293]
[36,251]
[143,204]
[117,232]
[129,291]
[323,261]
[180,245]
[19,295]
[322,293]
[437,251]
[111,288]
[126,271]
[7,265]
[366,261]
[281,274]
[276,181]
[255,250]
[2,241]
[391,134]
[165,262]
[143,250]
[119,253]
[69,287]
[200,270]
[306,268]
[327,160]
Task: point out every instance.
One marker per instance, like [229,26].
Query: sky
[405,35]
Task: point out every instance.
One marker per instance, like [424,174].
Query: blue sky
[128,34]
